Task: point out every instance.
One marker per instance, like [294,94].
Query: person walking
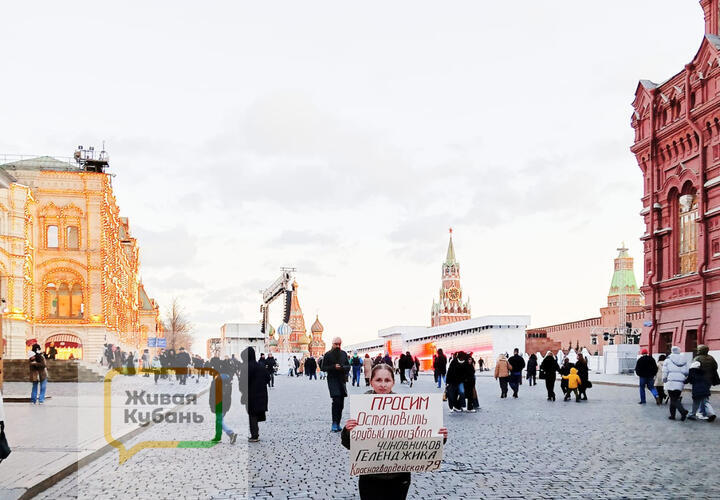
[548,370]
[38,374]
[182,361]
[311,368]
[700,392]
[532,370]
[367,368]
[584,374]
[270,365]
[156,366]
[659,387]
[517,363]
[708,364]
[220,398]
[454,381]
[392,486]
[145,362]
[290,367]
[675,371]
[356,364]
[253,380]
[336,365]
[565,370]
[469,384]
[646,368]
[400,367]
[440,367]
[296,365]
[502,374]
[573,383]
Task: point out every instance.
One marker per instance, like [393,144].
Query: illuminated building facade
[69,265]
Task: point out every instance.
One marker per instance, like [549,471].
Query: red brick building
[677,146]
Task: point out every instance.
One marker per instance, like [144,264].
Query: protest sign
[395,433]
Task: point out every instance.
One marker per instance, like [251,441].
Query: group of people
[666,378]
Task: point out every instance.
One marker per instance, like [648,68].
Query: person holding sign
[390,485]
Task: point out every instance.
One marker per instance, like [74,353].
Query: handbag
[541,375]
[4,446]
[588,384]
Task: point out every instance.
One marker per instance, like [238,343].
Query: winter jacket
[458,372]
[531,366]
[550,366]
[573,379]
[355,361]
[517,363]
[336,378]
[646,366]
[700,384]
[225,396]
[440,365]
[367,367]
[38,368]
[659,376]
[707,363]
[675,371]
[582,371]
[502,368]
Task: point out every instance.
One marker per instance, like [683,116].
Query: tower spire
[450,258]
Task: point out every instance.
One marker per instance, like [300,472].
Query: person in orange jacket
[573,384]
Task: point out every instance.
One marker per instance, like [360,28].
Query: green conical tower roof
[623,280]
[450,258]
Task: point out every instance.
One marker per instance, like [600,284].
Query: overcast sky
[344,138]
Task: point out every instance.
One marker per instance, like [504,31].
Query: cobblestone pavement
[607,447]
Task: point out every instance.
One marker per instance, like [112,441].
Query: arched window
[71,238]
[51,300]
[76,300]
[52,237]
[687,234]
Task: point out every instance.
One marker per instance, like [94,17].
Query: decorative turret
[450,307]
[317,345]
[623,281]
[297,320]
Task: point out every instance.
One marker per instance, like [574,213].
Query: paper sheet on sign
[395,433]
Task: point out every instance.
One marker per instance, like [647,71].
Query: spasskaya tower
[450,307]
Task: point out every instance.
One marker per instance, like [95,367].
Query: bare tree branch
[178,329]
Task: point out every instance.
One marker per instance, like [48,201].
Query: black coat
[310,365]
[531,366]
[646,366]
[550,366]
[517,363]
[336,378]
[459,372]
[700,384]
[582,371]
[440,365]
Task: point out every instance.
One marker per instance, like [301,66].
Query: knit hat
[644,351]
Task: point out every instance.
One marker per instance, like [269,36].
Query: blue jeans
[648,382]
[440,380]
[226,428]
[356,374]
[515,380]
[33,395]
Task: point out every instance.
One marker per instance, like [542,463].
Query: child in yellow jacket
[573,384]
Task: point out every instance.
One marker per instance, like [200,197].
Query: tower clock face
[453,294]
